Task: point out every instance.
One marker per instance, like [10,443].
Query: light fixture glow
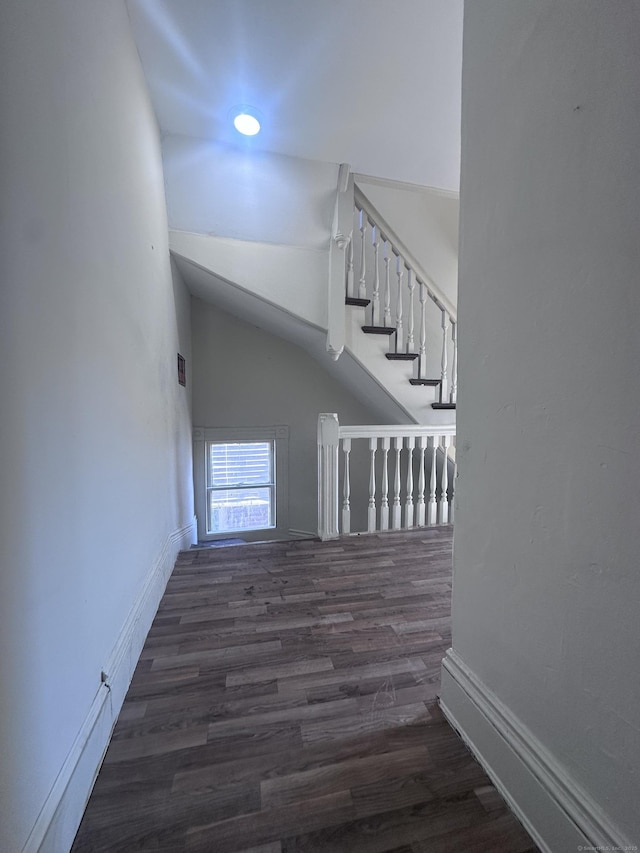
[246,124]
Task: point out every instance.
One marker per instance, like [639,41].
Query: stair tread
[401,356]
[432,382]
[378,330]
[354,300]
[443,405]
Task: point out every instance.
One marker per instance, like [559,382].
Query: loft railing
[407,473]
[371,266]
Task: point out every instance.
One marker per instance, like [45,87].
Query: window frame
[279,435]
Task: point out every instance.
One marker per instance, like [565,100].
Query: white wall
[243,376]
[426,220]
[546,580]
[293,278]
[246,194]
[95,431]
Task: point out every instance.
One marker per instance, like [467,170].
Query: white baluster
[444,387]
[422,361]
[350,282]
[328,431]
[362,287]
[346,487]
[371,514]
[384,506]
[420,507]
[399,332]
[387,286]
[375,302]
[411,285]
[432,509]
[408,502]
[454,363]
[396,517]
[443,514]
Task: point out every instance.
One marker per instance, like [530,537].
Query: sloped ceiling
[374,83]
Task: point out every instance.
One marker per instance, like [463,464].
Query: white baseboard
[60,816]
[557,813]
[194,531]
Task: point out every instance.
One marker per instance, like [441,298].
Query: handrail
[393,430]
[363,203]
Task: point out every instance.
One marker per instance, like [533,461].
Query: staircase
[410,279]
[389,299]
[391,332]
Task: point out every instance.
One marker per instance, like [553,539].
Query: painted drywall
[234,191]
[283,324]
[244,376]
[293,278]
[426,220]
[95,430]
[546,580]
[375,84]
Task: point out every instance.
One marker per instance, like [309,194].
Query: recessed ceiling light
[246,123]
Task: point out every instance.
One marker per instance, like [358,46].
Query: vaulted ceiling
[373,83]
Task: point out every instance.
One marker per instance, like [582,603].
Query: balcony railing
[405,474]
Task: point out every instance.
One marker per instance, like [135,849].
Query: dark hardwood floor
[286,701]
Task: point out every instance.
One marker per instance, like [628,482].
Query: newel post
[328,443]
[341,237]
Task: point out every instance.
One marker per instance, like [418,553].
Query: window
[241,486]
[240,480]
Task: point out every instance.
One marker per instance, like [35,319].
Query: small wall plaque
[182,372]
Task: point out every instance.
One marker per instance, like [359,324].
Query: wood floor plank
[378,719]
[299,713]
[389,829]
[380,671]
[262,767]
[204,657]
[286,701]
[352,772]
[155,744]
[284,670]
[266,825]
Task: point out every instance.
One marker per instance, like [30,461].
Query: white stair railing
[360,240]
[420,455]
[406,292]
